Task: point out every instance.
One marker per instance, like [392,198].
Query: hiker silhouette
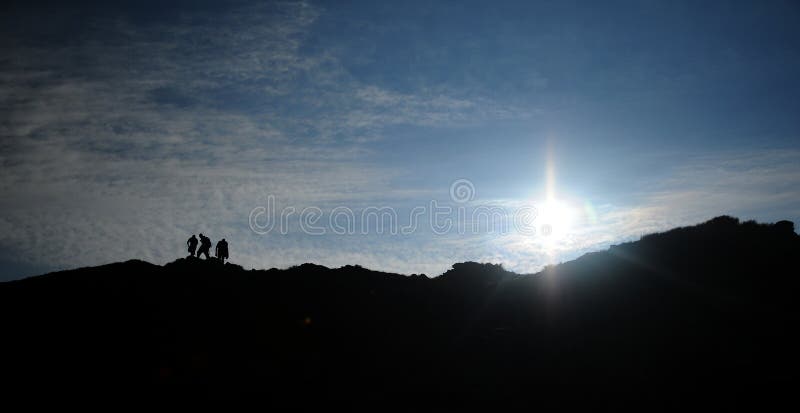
[205,246]
[222,250]
[192,243]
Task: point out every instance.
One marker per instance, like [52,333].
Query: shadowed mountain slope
[703,313]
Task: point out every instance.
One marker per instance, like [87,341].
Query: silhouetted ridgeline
[704,313]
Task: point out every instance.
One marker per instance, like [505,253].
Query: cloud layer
[122,134]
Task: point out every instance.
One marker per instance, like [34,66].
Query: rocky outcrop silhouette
[703,314]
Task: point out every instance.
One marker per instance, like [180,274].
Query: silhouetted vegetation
[704,313]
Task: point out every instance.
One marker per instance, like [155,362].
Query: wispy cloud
[120,142]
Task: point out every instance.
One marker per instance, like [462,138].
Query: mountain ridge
[783,227]
[702,312]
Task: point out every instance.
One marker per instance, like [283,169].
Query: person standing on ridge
[192,243]
[222,250]
[205,246]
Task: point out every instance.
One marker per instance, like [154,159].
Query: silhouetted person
[222,250]
[205,246]
[192,243]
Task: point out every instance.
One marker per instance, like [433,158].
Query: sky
[539,130]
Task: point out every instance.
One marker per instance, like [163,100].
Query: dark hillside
[704,313]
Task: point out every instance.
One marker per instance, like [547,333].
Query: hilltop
[706,313]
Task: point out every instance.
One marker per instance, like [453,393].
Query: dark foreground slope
[706,313]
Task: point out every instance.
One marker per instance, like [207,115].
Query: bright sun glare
[556,217]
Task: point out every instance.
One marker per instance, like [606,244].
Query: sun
[555,218]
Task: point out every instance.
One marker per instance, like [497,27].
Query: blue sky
[127,128]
